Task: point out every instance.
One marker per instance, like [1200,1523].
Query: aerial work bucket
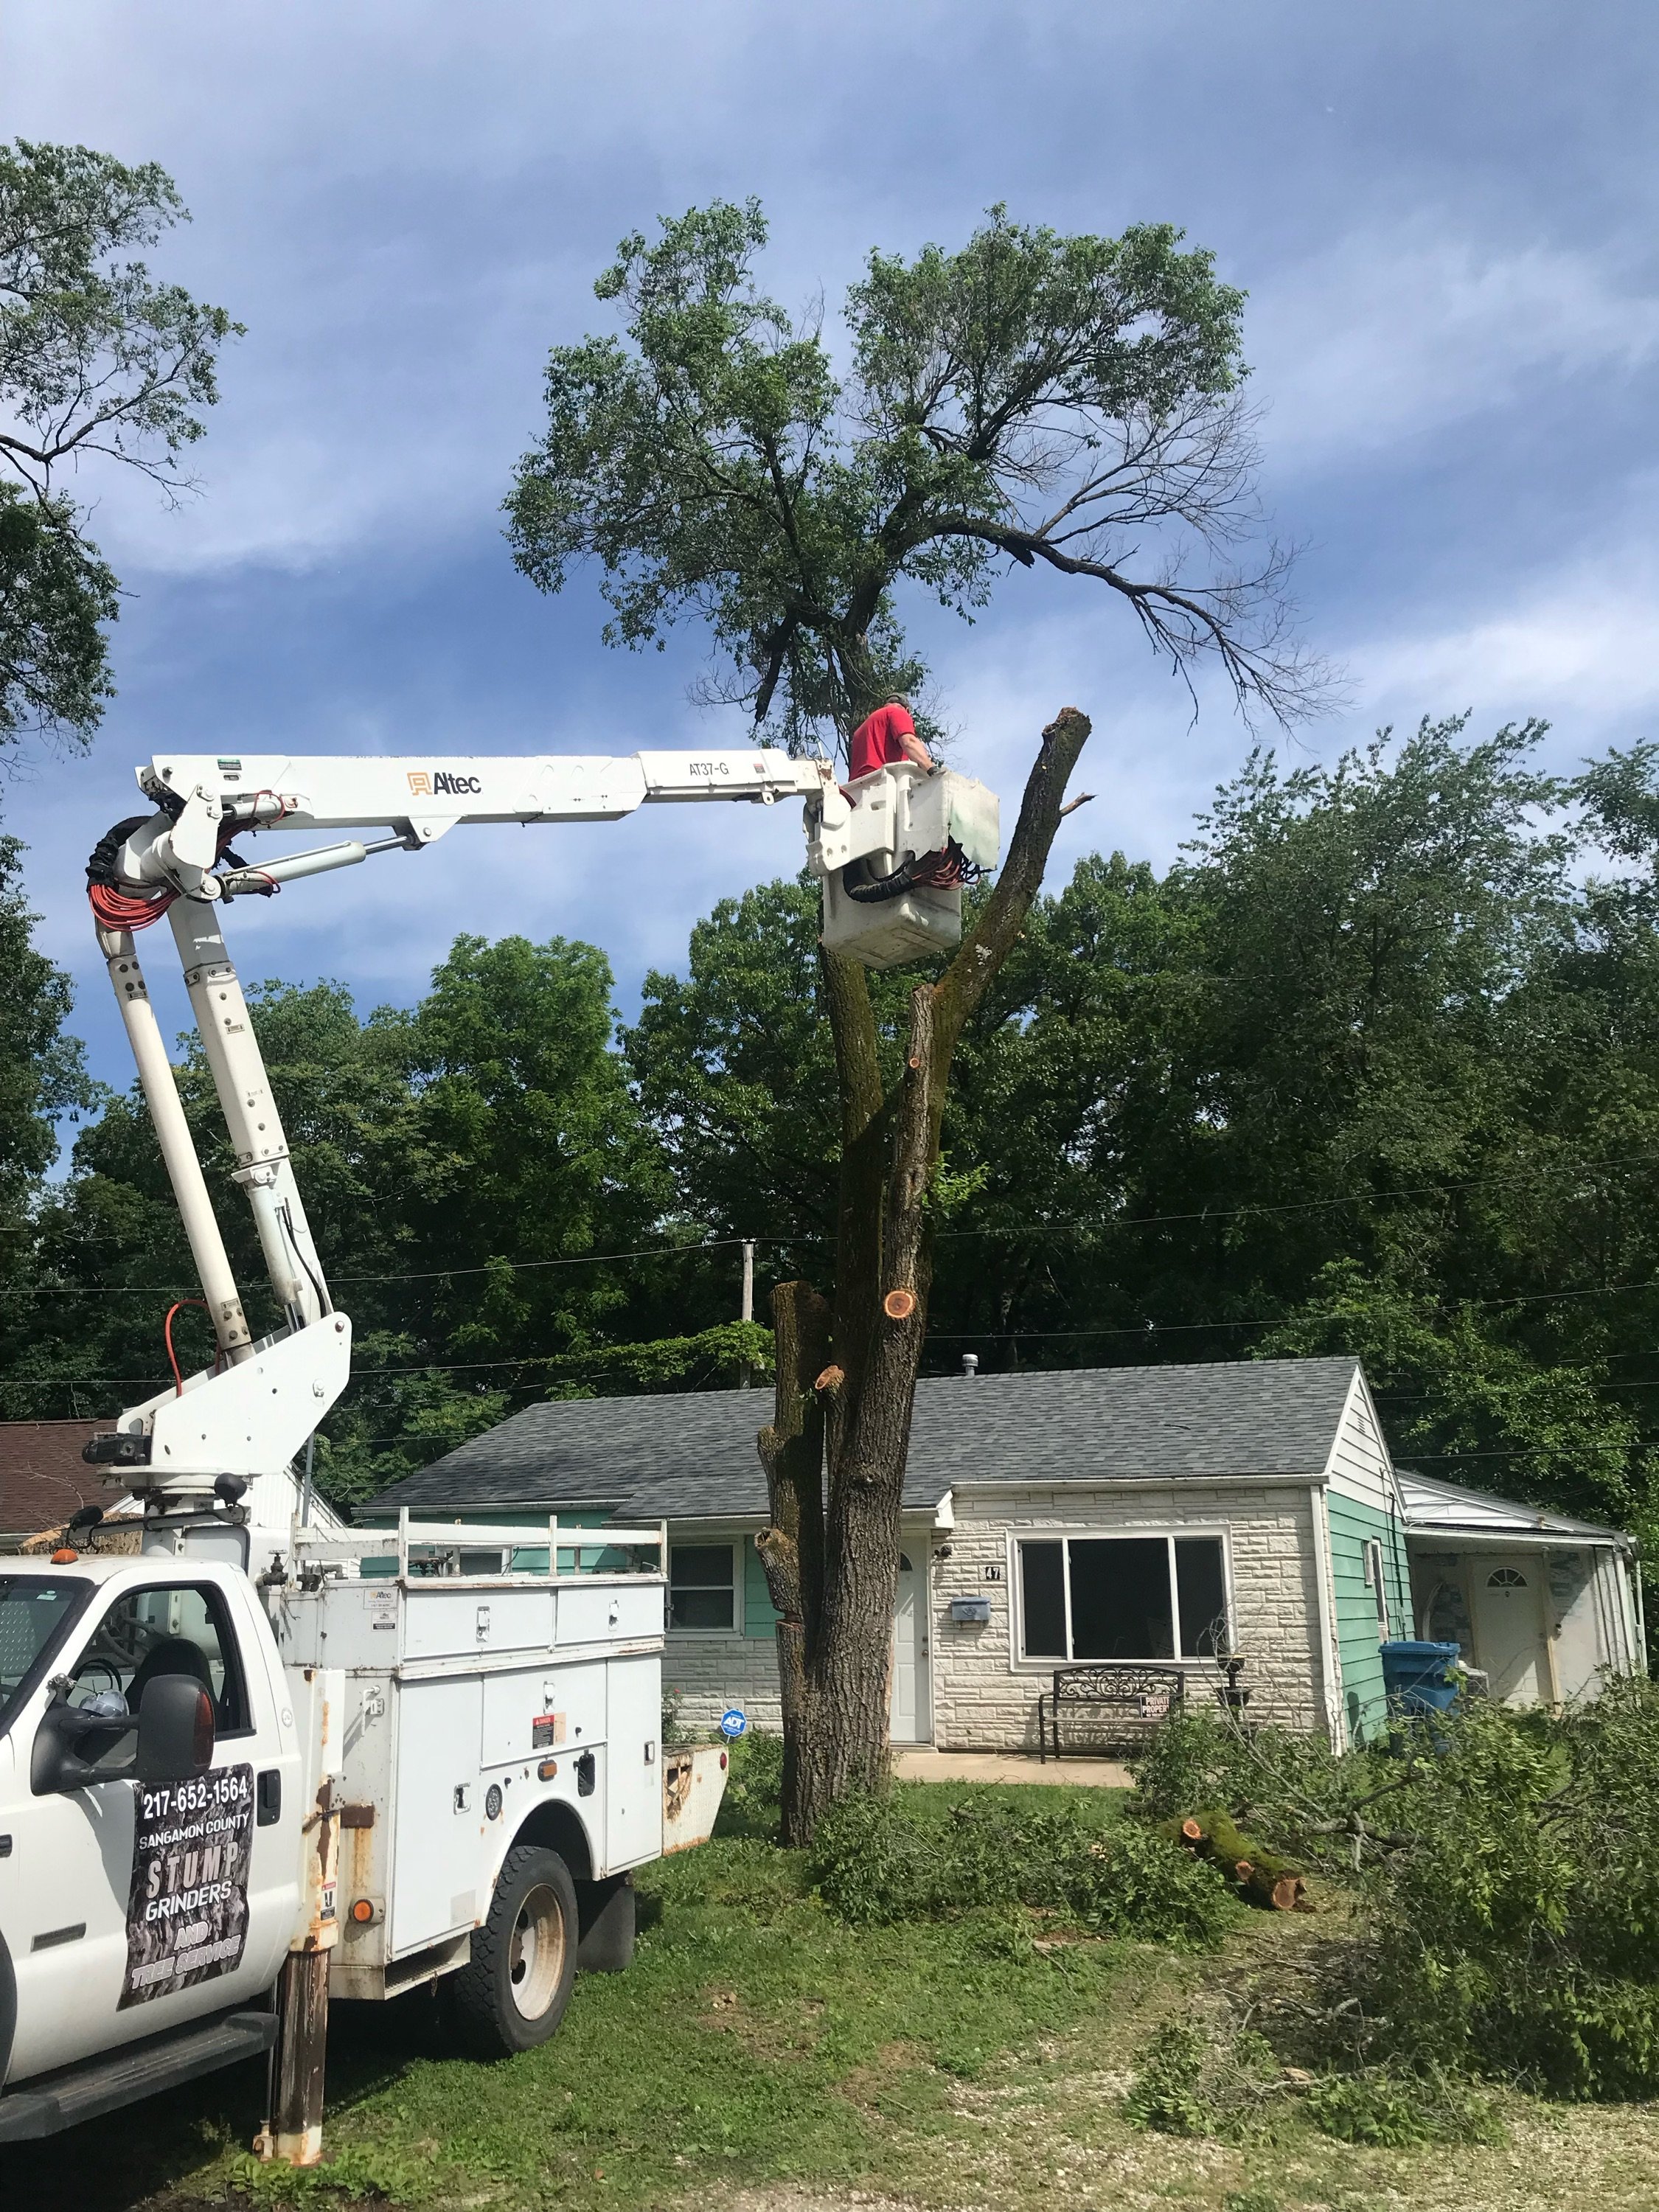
[893,850]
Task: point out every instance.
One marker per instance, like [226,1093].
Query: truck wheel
[512,1994]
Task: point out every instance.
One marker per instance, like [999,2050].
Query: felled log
[1260,1875]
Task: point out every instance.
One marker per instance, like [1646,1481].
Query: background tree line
[1372,1068]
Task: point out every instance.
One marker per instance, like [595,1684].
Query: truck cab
[130,1908]
[393,1757]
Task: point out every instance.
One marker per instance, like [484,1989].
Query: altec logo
[442,785]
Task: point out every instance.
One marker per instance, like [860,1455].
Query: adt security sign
[733,1723]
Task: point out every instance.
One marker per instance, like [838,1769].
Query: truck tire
[512,1993]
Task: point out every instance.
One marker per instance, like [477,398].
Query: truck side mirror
[175,1730]
[67,1735]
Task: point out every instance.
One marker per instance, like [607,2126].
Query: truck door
[149,1907]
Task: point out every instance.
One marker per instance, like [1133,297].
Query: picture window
[1122,1597]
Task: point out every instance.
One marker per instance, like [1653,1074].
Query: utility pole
[748,1313]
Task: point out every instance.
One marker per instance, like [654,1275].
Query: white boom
[891,850]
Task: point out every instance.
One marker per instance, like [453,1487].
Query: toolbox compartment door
[546,1712]
[610,1612]
[634,1808]
[437,1845]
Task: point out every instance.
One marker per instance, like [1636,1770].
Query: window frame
[1374,1569]
[216,1603]
[1020,1664]
[731,1545]
[12,1708]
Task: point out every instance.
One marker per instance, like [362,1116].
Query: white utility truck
[266,1754]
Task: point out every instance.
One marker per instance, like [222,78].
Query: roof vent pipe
[970,1362]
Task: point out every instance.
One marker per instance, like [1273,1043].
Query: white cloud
[1575,645]
[1384,339]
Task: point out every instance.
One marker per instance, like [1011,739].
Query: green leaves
[55,595]
[1059,401]
[95,358]
[94,354]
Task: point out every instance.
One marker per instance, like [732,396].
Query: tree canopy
[1071,404]
[1373,1068]
[97,361]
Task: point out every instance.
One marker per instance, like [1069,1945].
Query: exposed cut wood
[1265,1879]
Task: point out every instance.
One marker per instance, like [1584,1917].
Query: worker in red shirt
[884,737]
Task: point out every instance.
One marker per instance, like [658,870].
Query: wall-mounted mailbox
[970,1610]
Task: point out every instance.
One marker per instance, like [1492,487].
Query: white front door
[1509,1624]
[908,1716]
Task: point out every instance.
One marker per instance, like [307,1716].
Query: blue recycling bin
[1421,1679]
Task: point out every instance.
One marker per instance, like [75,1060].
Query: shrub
[1508,1869]
[1396,2110]
[1225,2082]
[1292,1790]
[753,1803]
[1519,1932]
[887,1858]
[1195,2082]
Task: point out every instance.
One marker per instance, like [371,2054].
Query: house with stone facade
[1245,1509]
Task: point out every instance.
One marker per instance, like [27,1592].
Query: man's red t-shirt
[876,741]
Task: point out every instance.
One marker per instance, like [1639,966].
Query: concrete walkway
[1008,1766]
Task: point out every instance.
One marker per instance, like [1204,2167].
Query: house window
[1122,1597]
[1374,1582]
[702,1586]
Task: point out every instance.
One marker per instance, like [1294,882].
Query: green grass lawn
[760,2053]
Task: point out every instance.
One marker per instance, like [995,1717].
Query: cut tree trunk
[835,1598]
[1264,1877]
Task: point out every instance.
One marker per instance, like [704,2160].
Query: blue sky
[1445,219]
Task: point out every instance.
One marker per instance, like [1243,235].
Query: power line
[429,1275]
[1409,1452]
[1093,1224]
[1145,1328]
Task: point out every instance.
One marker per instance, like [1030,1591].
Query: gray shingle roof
[691,1455]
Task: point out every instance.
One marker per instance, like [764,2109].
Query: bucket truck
[267,1754]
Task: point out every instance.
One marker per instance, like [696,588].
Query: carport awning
[1444,1510]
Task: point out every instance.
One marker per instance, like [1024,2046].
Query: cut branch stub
[899,1305]
[830,1379]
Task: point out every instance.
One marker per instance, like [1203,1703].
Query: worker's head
[898,699]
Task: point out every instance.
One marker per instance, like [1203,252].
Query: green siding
[1359,1634]
[759,1619]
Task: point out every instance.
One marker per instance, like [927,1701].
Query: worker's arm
[913,748]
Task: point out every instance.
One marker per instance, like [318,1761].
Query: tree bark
[836,1663]
[791,1547]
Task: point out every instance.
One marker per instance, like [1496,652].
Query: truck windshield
[34,1612]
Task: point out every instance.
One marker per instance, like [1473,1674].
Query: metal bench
[1135,1697]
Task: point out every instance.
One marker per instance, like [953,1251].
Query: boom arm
[206,797]
[250,1417]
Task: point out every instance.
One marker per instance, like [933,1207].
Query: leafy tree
[42,1077]
[1374,1069]
[96,359]
[1070,403]
[460,1162]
